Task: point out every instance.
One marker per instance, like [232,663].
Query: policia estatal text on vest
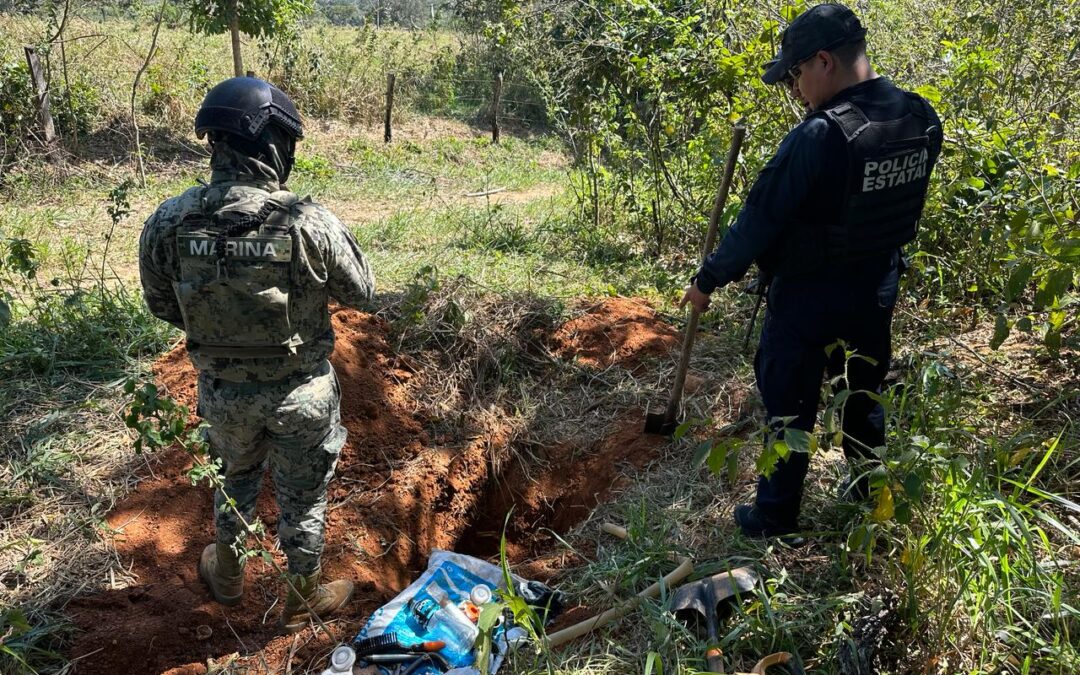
[825,222]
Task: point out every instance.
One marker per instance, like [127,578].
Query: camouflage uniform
[281,407]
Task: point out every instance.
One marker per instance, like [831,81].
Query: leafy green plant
[973,525]
[52,330]
[510,605]
[963,523]
[16,101]
[495,230]
[424,283]
[77,107]
[315,166]
[28,645]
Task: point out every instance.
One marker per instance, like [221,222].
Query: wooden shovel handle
[615,530]
[713,660]
[670,580]
[777,659]
[737,137]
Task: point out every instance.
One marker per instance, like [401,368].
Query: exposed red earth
[398,494]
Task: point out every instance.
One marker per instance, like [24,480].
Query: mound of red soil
[397,495]
[614,331]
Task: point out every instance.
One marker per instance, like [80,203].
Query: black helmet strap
[275,147]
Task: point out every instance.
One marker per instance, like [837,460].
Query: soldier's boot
[323,599]
[223,573]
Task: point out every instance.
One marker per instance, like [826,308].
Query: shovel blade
[659,425]
[691,597]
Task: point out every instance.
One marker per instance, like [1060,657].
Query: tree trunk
[234,32]
[41,94]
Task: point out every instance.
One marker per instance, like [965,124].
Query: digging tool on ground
[670,580]
[710,592]
[701,598]
[665,423]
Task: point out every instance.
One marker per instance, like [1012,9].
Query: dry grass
[66,460]
[672,508]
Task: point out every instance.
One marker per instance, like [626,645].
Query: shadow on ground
[402,489]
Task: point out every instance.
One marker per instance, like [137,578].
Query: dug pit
[400,491]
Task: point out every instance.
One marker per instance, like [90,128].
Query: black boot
[755,523]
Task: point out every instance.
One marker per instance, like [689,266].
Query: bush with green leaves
[969,527]
[175,88]
[645,93]
[67,325]
[16,102]
[85,331]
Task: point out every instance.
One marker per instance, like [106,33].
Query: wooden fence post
[496,103]
[41,92]
[388,133]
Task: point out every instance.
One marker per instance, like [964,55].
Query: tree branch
[134,92]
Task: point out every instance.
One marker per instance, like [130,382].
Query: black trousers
[805,315]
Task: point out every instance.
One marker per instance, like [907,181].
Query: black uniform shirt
[804,182]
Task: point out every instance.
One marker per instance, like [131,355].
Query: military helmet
[244,106]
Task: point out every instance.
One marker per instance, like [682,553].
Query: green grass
[408,169]
[504,248]
[982,546]
[30,642]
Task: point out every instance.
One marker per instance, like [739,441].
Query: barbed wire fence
[492,109]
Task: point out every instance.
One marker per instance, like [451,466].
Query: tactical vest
[237,271]
[889,168]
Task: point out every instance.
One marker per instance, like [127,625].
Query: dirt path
[398,495]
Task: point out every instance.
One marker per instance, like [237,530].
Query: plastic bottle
[480,595]
[341,661]
[453,620]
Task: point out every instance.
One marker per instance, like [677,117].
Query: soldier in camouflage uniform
[246,269]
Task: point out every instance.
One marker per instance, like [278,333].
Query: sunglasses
[795,71]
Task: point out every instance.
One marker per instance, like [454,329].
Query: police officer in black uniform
[825,222]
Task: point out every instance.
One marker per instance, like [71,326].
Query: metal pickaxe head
[703,596]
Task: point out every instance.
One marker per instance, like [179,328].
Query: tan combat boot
[323,600]
[223,573]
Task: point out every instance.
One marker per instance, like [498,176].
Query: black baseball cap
[822,27]
[772,62]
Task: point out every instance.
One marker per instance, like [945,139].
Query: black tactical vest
[889,166]
[236,275]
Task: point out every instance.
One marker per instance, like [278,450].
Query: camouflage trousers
[295,426]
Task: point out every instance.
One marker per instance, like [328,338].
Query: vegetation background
[618,116]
